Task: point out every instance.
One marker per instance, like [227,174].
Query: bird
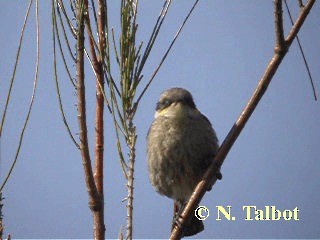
[181,144]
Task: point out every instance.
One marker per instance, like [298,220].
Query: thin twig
[154,34]
[164,56]
[114,103]
[71,27]
[94,13]
[56,77]
[15,67]
[65,34]
[296,27]
[32,98]
[302,53]
[54,22]
[72,6]
[235,131]
[115,47]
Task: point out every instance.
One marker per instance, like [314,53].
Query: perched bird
[181,144]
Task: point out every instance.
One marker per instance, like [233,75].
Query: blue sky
[219,57]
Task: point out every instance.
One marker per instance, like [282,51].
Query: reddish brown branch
[94,199]
[239,125]
[302,53]
[98,210]
[100,101]
[91,43]
[99,227]
[280,45]
[296,27]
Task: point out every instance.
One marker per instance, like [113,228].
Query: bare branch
[71,27]
[99,228]
[297,25]
[55,30]
[65,35]
[94,200]
[92,44]
[280,44]
[15,67]
[302,53]
[235,131]
[33,92]
[107,102]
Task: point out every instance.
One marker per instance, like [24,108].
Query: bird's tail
[192,227]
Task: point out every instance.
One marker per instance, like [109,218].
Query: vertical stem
[1,223]
[99,227]
[100,104]
[95,201]
[280,43]
[98,224]
[132,156]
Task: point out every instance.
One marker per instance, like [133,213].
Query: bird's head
[175,102]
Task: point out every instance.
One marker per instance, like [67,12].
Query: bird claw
[177,216]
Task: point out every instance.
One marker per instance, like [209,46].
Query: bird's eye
[163,104]
[166,103]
